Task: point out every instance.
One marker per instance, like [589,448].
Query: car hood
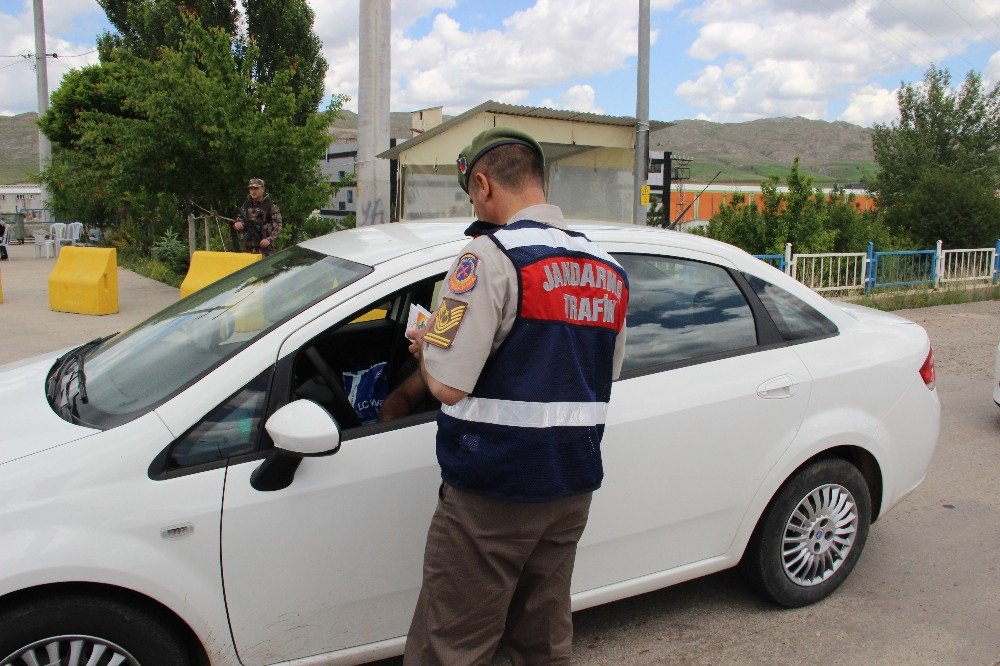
[27,423]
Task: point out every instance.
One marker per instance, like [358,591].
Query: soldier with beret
[521,354]
[258,220]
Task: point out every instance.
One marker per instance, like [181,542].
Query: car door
[709,397]
[334,560]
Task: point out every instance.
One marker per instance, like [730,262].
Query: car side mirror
[305,428]
[299,429]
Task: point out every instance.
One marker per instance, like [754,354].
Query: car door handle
[782,386]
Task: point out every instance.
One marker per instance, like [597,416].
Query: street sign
[644,195]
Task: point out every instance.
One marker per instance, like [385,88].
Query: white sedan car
[214,484]
[996,377]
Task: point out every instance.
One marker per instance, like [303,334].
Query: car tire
[85,626]
[811,535]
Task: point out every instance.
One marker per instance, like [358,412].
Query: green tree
[191,126]
[282,30]
[948,140]
[808,218]
[146,26]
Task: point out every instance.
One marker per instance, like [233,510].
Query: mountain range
[748,152]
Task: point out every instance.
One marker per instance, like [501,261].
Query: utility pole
[42,83]
[373,113]
[642,115]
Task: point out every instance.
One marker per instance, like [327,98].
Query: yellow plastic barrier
[85,281]
[207,267]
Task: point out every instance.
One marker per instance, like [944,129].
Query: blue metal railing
[776,260]
[902,268]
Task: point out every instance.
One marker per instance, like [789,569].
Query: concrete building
[589,161]
[16,198]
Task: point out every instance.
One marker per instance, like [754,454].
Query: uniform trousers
[497,571]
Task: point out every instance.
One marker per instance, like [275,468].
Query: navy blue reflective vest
[531,429]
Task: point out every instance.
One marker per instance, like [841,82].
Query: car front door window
[681,310]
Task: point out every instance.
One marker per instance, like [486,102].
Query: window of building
[350,196]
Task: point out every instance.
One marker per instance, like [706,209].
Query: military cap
[256,182]
[487,141]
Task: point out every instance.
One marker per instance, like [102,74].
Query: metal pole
[42,84]
[373,113]
[641,114]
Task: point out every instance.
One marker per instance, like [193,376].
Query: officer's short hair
[513,166]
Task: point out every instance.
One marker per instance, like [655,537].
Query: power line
[889,31]
[936,40]
[17,62]
[948,5]
[865,32]
[985,14]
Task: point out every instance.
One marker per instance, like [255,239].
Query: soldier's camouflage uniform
[256,227]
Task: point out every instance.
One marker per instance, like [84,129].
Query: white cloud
[785,57]
[871,104]
[457,66]
[991,73]
[581,97]
[17,76]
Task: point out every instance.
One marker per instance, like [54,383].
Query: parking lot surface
[927,587]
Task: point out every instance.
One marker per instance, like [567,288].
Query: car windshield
[130,373]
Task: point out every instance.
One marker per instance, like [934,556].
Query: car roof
[376,244]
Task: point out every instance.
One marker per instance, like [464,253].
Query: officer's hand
[238,226]
[264,242]
[416,337]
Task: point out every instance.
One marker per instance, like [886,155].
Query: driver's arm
[404,398]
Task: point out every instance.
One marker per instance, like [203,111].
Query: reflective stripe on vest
[522,414]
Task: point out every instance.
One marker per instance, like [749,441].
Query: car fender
[109,525]
[819,432]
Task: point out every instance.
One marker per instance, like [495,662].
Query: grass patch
[151,268]
[923,298]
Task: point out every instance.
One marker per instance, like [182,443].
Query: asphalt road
[926,590]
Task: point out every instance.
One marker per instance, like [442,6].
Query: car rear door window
[796,320]
[681,310]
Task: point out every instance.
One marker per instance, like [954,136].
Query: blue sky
[723,60]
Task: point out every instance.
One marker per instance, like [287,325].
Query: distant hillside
[18,147]
[832,152]
[835,152]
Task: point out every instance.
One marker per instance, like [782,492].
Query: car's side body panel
[90,514]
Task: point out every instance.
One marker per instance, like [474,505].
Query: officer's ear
[481,181]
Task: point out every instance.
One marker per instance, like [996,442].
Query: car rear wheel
[811,535]
[92,630]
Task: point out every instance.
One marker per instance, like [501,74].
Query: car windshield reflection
[133,372]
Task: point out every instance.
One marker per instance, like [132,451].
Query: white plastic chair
[42,242]
[73,231]
[57,232]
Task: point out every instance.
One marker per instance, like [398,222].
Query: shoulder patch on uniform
[464,277]
[446,323]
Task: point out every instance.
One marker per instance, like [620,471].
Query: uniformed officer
[521,353]
[258,220]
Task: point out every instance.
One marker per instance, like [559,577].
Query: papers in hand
[418,319]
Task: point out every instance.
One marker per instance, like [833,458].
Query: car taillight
[927,369]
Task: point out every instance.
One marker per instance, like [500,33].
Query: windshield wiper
[81,379]
[62,363]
